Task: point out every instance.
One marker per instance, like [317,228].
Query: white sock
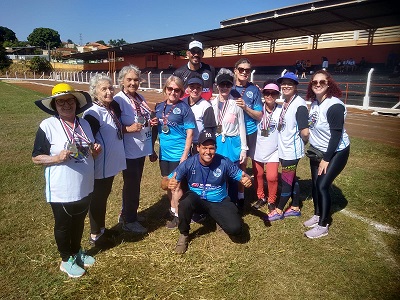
[241,195]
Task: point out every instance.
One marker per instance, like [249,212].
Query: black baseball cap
[206,135]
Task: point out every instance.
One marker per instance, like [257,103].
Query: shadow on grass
[339,201]
[154,217]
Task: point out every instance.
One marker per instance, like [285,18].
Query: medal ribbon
[284,109]
[165,116]
[265,122]
[222,112]
[139,104]
[70,132]
[113,116]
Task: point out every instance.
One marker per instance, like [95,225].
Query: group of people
[204,145]
[345,65]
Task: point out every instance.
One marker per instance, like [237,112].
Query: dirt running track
[359,123]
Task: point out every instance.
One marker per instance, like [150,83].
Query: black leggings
[69,219]
[322,183]
[98,206]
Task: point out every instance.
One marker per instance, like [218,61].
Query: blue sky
[133,21]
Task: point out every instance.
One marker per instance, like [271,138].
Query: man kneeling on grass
[207,175]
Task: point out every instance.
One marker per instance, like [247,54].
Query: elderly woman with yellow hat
[64,144]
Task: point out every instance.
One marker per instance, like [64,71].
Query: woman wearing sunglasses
[327,134]
[231,129]
[175,131]
[266,150]
[249,99]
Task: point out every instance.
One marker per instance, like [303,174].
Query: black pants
[69,221]
[290,186]
[322,183]
[131,189]
[98,205]
[225,213]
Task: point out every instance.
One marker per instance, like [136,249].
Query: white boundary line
[378,226]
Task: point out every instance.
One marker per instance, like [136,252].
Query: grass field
[355,261]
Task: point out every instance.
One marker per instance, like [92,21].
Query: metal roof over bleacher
[308,19]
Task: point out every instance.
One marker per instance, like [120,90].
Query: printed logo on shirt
[176,111]
[312,119]
[205,76]
[249,94]
[217,172]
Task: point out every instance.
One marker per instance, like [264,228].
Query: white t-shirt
[290,144]
[73,179]
[320,133]
[266,149]
[137,144]
[111,160]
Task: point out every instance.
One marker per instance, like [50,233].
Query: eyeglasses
[225,85]
[61,102]
[321,82]
[242,70]
[170,89]
[267,94]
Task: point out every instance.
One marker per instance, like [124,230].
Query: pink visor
[271,86]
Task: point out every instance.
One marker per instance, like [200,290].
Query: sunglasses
[196,51]
[225,85]
[61,102]
[170,89]
[321,82]
[242,70]
[267,94]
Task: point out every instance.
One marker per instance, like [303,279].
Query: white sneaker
[134,227]
[317,232]
[312,222]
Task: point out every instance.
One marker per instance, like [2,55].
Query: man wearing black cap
[206,173]
[195,68]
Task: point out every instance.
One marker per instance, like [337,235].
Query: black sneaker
[259,203]
[173,223]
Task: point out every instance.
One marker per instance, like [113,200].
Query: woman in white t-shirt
[64,144]
[139,126]
[328,136]
[104,119]
[266,149]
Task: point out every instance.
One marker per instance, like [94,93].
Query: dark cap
[224,78]
[206,135]
[289,75]
[195,80]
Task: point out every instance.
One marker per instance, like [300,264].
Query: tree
[4,60]
[40,64]
[7,34]
[69,41]
[101,42]
[116,43]
[44,38]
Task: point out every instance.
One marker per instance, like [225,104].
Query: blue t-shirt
[179,118]
[209,182]
[252,97]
